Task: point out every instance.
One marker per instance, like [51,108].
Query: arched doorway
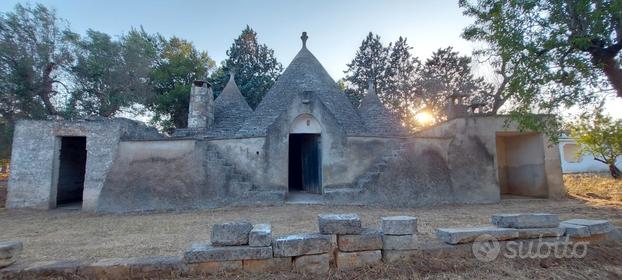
[305,160]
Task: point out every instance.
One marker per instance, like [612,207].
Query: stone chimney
[201,108]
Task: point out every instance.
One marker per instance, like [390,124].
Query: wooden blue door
[311,164]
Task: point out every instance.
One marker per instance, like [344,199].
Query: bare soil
[594,186]
[67,234]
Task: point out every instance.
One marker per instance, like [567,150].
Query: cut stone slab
[389,256]
[399,242]
[9,252]
[157,267]
[106,269]
[339,223]
[301,244]
[268,265]
[527,233]
[231,234]
[314,264]
[526,220]
[260,235]
[399,225]
[205,268]
[367,240]
[204,253]
[594,226]
[350,260]
[574,230]
[466,235]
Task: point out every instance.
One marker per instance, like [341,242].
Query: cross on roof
[304,38]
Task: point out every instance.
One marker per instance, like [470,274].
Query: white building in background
[572,164]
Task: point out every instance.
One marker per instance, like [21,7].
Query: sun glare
[424,118]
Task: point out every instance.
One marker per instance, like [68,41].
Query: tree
[552,53]
[255,67]
[178,65]
[402,92]
[35,52]
[447,72]
[601,136]
[370,62]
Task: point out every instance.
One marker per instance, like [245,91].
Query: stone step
[301,244]
[466,235]
[594,226]
[525,220]
[339,223]
[204,253]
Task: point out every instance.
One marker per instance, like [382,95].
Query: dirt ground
[71,234]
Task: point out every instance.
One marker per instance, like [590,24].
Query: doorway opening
[305,163]
[71,171]
[520,165]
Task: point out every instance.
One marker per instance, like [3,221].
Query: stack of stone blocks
[529,226]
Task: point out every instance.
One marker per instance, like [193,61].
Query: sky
[335,28]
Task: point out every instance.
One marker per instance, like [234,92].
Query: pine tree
[370,62]
[255,67]
[401,92]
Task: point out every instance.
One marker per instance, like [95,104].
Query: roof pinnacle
[304,38]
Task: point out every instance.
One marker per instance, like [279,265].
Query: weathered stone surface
[205,268]
[106,269]
[301,244]
[389,256]
[52,269]
[231,234]
[268,265]
[367,240]
[203,253]
[399,225]
[594,226]
[157,267]
[260,235]
[574,230]
[339,223]
[526,220]
[399,242]
[9,252]
[540,232]
[315,264]
[350,260]
[465,235]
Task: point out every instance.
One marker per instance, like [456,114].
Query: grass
[594,186]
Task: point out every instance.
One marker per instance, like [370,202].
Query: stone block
[268,265]
[9,252]
[367,240]
[204,253]
[301,244]
[574,230]
[465,235]
[157,267]
[350,260]
[339,223]
[526,220]
[260,235]
[399,242]
[526,233]
[314,264]
[399,225]
[231,234]
[205,268]
[53,269]
[106,269]
[389,256]
[594,226]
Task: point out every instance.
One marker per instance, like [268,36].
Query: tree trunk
[611,69]
[615,172]
[48,87]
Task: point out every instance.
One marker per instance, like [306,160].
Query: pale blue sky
[335,28]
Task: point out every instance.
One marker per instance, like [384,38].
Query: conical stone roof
[378,119]
[230,110]
[304,73]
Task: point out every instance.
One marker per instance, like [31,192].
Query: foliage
[178,65]
[445,73]
[552,54]
[601,136]
[370,62]
[254,65]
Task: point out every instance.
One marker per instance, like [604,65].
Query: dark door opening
[305,163]
[71,170]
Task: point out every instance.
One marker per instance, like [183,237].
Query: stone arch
[305,123]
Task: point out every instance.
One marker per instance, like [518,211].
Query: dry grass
[64,234]
[594,186]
